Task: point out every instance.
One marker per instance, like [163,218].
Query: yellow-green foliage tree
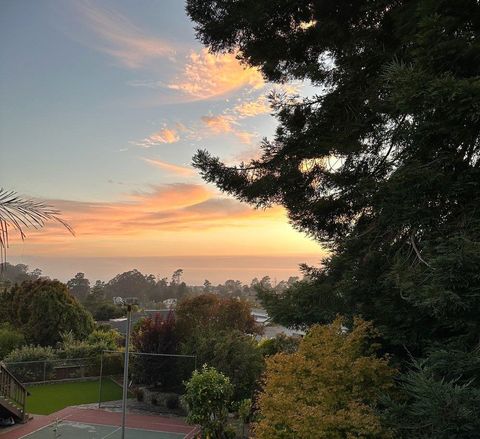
[328,389]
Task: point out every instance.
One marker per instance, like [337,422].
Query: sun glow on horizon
[117,166]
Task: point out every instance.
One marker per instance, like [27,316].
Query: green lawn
[49,398]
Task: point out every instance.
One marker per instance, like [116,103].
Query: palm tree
[23,213]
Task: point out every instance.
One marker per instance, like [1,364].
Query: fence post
[45,371]
[100,384]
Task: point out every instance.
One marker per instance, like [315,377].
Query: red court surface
[103,417]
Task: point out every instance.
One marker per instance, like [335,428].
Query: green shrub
[139,394]
[208,396]
[231,352]
[108,339]
[31,363]
[10,339]
[280,343]
[31,353]
[229,433]
[172,402]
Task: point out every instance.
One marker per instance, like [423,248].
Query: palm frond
[23,213]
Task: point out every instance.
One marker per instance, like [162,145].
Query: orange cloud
[219,124]
[208,75]
[227,124]
[167,220]
[174,207]
[245,137]
[122,39]
[165,135]
[252,108]
[175,169]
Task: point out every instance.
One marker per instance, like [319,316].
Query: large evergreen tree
[382,165]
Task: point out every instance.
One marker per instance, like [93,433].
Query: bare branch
[419,256]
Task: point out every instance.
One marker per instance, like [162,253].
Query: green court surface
[79,430]
[48,398]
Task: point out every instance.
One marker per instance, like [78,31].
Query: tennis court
[79,423]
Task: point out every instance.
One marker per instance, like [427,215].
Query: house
[120,324]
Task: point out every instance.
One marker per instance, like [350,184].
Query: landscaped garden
[49,398]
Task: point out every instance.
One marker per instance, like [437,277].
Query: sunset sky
[102,105]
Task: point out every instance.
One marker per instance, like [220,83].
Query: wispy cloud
[219,124]
[252,108]
[222,124]
[122,39]
[170,167]
[207,75]
[173,207]
[165,135]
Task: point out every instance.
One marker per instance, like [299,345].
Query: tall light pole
[125,369]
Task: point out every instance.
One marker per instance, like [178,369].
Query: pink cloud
[175,169]
[252,108]
[123,40]
[165,135]
[208,75]
[173,207]
[222,124]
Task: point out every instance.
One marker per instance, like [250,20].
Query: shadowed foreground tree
[381,163]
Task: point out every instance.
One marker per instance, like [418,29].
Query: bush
[208,396]
[108,339]
[280,343]
[229,433]
[38,366]
[435,406]
[245,410]
[172,402]
[31,353]
[233,353]
[107,311]
[10,339]
[139,394]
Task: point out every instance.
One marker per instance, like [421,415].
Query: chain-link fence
[44,371]
[155,381]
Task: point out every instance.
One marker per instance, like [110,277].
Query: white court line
[110,434]
[128,428]
[45,426]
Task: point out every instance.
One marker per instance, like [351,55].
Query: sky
[102,106]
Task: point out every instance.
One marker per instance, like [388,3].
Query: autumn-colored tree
[209,311]
[328,389]
[156,336]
